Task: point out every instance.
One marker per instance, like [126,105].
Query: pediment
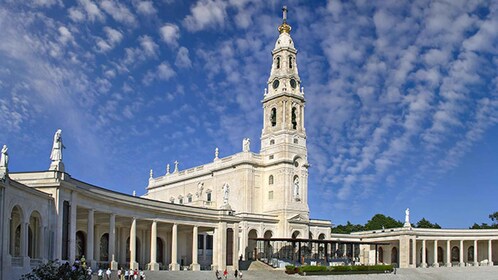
[298,219]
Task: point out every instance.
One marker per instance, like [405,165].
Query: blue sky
[401,109]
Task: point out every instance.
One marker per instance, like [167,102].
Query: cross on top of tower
[284,27]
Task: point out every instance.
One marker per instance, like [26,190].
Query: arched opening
[321,247]
[455,254]
[251,251]
[272,142]
[34,235]
[470,254]
[290,62]
[273,117]
[104,247]
[380,254]
[160,251]
[270,180]
[440,254]
[80,244]
[15,231]
[278,62]
[294,118]
[394,255]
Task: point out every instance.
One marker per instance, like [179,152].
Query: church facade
[209,216]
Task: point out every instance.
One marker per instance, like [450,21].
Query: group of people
[123,274]
[236,273]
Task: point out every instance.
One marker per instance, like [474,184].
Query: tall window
[270,180]
[104,247]
[455,254]
[273,117]
[180,200]
[189,198]
[290,61]
[294,118]
[208,196]
[270,195]
[470,254]
[381,255]
[278,62]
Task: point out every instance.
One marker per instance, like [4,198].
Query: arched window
[80,244]
[272,142]
[273,117]
[270,180]
[394,255]
[470,254]
[294,118]
[440,254]
[208,195]
[455,254]
[278,62]
[189,198]
[104,247]
[16,217]
[290,62]
[381,255]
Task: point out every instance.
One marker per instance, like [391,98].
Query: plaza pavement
[453,273]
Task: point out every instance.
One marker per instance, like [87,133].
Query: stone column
[174,249]
[476,262]
[490,252]
[90,239]
[112,242]
[424,262]
[195,263]
[24,243]
[72,227]
[435,264]
[133,244]
[448,253]
[204,248]
[153,247]
[215,264]
[222,245]
[414,252]
[462,263]
[235,256]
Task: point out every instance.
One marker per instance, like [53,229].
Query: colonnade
[450,252]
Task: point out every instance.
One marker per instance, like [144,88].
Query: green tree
[423,223]
[347,228]
[494,219]
[380,221]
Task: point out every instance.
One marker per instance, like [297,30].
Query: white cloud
[119,12]
[170,33]
[76,14]
[65,35]
[148,46]
[182,58]
[206,14]
[113,35]
[92,10]
[144,7]
[163,72]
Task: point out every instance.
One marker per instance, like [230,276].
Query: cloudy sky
[402,101]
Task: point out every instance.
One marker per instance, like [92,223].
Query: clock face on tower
[293,83]
[275,84]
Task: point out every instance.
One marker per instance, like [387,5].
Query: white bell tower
[283,138]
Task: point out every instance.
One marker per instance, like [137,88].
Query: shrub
[312,268]
[55,271]
[290,269]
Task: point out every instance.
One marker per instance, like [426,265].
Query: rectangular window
[270,195]
[208,198]
[189,199]
[200,241]
[209,242]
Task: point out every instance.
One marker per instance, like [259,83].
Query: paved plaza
[454,273]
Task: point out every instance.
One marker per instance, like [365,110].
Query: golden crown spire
[284,27]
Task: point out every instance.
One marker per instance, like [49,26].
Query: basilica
[246,206]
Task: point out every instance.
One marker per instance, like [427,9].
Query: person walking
[225,274]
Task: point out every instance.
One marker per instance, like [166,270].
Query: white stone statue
[407,216]
[216,153]
[296,188]
[200,188]
[4,157]
[151,174]
[176,166]
[167,169]
[57,146]
[246,145]
[226,191]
